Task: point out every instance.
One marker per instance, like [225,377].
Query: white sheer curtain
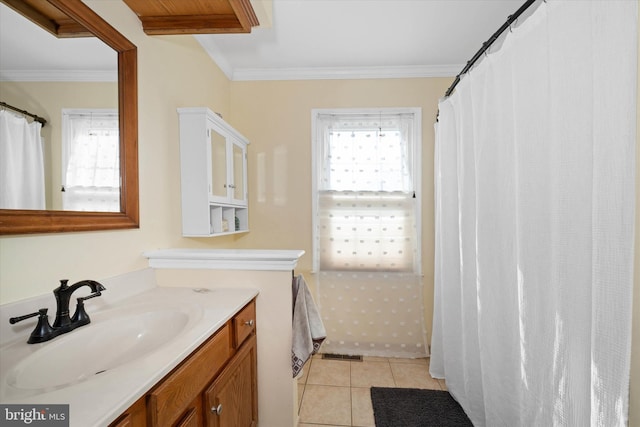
[367,228]
[91,163]
[534,222]
[21,163]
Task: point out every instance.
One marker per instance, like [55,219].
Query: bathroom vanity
[215,386]
[158,357]
[189,303]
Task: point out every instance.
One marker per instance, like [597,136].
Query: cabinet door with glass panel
[228,173]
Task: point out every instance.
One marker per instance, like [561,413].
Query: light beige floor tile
[326,405]
[367,374]
[325,399]
[302,377]
[408,375]
[330,372]
[418,361]
[361,408]
[374,359]
[300,395]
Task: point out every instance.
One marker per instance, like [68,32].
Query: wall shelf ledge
[225,259]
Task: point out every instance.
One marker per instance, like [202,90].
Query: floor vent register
[347,357]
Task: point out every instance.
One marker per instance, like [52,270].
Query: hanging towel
[308,330]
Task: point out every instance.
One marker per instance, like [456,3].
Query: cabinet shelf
[223,219]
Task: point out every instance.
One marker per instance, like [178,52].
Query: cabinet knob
[216,409]
[249,323]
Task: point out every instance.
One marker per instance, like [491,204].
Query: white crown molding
[58,76]
[323,73]
[328,73]
[216,56]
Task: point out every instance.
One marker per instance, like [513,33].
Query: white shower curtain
[21,163]
[534,222]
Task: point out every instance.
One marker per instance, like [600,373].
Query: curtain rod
[488,43]
[26,113]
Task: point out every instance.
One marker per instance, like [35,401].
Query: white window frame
[316,159]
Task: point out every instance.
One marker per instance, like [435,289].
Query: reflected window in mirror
[90,162]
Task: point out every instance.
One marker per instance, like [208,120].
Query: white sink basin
[96,348]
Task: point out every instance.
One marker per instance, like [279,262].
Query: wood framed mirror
[53,221]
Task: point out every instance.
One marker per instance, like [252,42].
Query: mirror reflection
[72,163]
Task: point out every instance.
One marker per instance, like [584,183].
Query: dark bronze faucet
[63,323]
[63,296]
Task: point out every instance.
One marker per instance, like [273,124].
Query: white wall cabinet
[213,171]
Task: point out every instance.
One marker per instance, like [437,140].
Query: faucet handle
[93,295]
[40,312]
[80,317]
[43,330]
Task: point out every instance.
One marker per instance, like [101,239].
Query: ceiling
[323,39]
[359,38]
[29,53]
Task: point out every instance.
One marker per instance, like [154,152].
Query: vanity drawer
[172,397]
[244,324]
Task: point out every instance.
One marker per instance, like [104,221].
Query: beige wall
[276,117]
[175,72]
[172,72]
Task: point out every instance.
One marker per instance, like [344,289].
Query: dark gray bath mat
[412,407]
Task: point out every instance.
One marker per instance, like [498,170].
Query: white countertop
[100,399]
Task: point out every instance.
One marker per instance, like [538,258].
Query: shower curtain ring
[514,22]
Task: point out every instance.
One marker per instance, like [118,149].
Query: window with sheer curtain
[91,161]
[366,210]
[367,231]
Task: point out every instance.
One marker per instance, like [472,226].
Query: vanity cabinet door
[192,416]
[135,416]
[170,400]
[232,399]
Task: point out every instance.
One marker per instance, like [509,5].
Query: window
[91,161]
[366,178]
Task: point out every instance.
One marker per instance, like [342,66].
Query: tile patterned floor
[336,393]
